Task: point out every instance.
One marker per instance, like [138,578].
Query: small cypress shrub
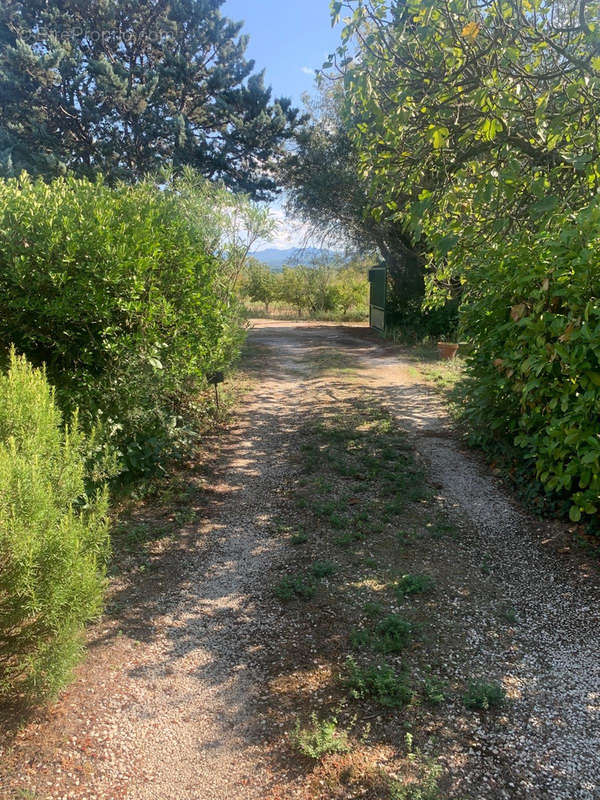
[53,538]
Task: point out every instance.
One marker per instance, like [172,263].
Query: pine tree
[124,87]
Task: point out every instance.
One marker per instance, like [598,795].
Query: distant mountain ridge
[276,258]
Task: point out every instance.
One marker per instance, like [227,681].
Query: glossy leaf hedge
[533,310]
[53,539]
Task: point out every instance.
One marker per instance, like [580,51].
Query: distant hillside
[276,258]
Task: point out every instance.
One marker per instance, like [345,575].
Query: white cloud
[308,71]
[291,233]
[288,232]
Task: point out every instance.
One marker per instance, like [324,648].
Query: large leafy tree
[473,118]
[125,87]
[329,188]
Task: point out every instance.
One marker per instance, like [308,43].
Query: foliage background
[474,127]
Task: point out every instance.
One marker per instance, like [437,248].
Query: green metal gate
[377,297]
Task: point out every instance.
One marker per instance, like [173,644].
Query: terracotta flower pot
[447,350]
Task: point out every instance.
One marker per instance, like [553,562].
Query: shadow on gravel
[219,544]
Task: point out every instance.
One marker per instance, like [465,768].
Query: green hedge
[117,292]
[53,540]
[533,310]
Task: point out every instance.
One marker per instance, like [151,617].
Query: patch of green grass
[322,569]
[360,637]
[320,738]
[373,609]
[414,584]
[395,507]
[299,538]
[377,682]
[371,563]
[292,587]
[348,538]
[482,696]
[405,537]
[442,529]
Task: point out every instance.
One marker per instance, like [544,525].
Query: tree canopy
[473,118]
[123,88]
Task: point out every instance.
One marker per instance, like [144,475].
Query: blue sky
[289,39]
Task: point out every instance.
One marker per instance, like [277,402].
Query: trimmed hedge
[117,291]
[53,539]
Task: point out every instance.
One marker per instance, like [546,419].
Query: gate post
[377,297]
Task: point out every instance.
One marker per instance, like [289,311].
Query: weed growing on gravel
[395,507]
[294,586]
[378,682]
[299,538]
[322,569]
[348,538]
[509,615]
[185,516]
[135,536]
[414,584]
[482,696]
[330,512]
[434,690]
[320,738]
[338,521]
[392,634]
[373,609]
[363,482]
[405,537]
[360,638]
[442,529]
[426,787]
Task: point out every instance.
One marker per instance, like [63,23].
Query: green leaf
[490,128]
[594,377]
[439,136]
[575,513]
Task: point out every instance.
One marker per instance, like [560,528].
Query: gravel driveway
[169,708]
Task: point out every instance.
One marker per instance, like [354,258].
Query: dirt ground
[197,674]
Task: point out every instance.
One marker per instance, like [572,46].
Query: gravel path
[173,715]
[551,748]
